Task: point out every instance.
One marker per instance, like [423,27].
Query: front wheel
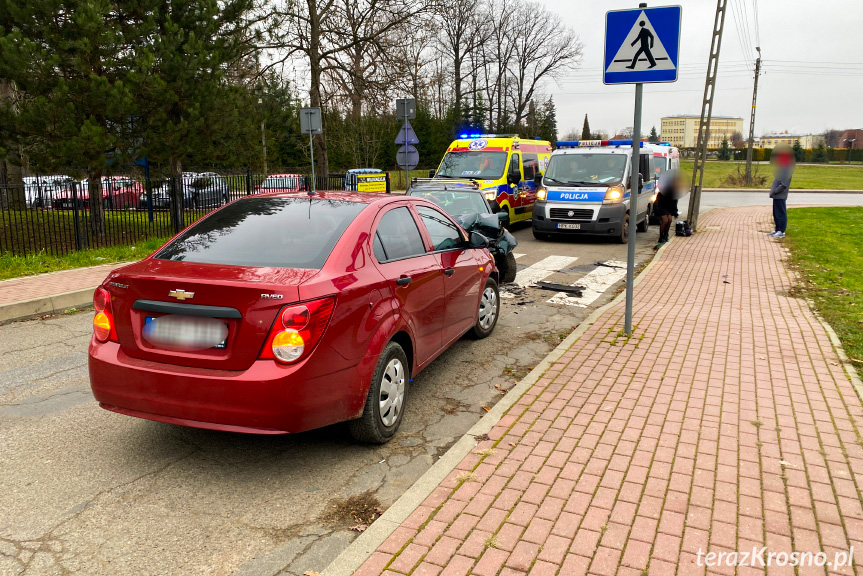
[489,310]
[642,226]
[623,237]
[385,402]
[507,267]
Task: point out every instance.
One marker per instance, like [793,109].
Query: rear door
[415,278]
[461,273]
[519,195]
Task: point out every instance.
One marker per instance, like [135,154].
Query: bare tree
[543,49]
[462,35]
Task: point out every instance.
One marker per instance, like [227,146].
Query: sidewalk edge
[53,304]
[850,370]
[365,545]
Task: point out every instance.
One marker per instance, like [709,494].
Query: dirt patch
[362,509]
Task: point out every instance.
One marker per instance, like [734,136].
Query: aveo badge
[477,144]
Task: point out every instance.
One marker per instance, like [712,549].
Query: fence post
[177,208]
[248,181]
[389,184]
[75,216]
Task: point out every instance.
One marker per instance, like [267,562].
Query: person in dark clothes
[783,168]
[668,192]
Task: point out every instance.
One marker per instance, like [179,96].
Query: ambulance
[505,166]
[586,190]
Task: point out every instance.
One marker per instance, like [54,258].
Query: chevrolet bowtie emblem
[181,294]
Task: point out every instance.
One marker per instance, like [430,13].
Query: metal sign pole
[633,208]
[312,149]
[407,171]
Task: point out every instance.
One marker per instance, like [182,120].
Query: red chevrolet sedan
[287,312]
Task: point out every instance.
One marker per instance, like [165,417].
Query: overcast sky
[812,66]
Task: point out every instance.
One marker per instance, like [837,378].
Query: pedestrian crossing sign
[642,45]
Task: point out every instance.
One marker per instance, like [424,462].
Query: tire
[540,235]
[643,225]
[507,268]
[623,237]
[391,378]
[489,311]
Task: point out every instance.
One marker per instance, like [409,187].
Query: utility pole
[752,121]
[264,143]
[706,114]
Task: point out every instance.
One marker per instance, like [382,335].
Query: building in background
[682,130]
[851,139]
[808,141]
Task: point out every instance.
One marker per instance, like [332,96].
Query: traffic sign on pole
[311,123]
[407,135]
[641,46]
[407,157]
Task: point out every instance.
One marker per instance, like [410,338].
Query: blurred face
[782,160]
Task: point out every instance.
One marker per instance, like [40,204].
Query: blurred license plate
[569,226]
[223,344]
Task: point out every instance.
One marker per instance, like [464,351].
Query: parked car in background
[284,313]
[281,183]
[161,192]
[39,191]
[207,190]
[118,193]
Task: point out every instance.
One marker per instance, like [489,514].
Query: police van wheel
[642,226]
[623,237]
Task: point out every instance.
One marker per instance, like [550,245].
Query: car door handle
[404,280]
[449,271]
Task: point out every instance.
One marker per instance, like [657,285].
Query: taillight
[297,330]
[103,321]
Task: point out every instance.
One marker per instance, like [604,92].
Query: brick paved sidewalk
[45,285]
[726,422]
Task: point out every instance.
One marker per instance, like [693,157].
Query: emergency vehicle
[665,157]
[586,190]
[505,167]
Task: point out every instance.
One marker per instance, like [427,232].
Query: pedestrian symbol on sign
[649,54]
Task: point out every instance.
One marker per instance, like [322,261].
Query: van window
[645,166]
[530,164]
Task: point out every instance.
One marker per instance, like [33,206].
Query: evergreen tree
[69,62]
[724,150]
[654,137]
[187,104]
[585,129]
[799,152]
[820,153]
[547,125]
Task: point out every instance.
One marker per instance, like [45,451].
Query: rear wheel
[489,310]
[385,402]
[507,267]
[623,237]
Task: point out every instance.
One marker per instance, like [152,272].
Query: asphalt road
[87,491]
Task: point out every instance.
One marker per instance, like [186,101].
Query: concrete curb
[54,304]
[364,546]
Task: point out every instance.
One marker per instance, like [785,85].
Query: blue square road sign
[642,45]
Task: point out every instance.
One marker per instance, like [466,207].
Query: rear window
[272,232]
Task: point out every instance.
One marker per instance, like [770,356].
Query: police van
[586,190]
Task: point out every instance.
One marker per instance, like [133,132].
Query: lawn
[806,176]
[827,249]
[16,266]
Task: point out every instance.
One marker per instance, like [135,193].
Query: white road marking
[517,255]
[595,283]
[542,269]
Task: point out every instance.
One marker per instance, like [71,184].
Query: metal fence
[55,217]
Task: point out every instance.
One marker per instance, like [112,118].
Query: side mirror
[640,181]
[477,240]
[431,172]
[502,216]
[495,207]
[513,178]
[537,180]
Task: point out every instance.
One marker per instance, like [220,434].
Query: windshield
[483,165]
[262,231]
[586,169]
[455,203]
[280,183]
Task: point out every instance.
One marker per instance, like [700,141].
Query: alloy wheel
[392,393]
